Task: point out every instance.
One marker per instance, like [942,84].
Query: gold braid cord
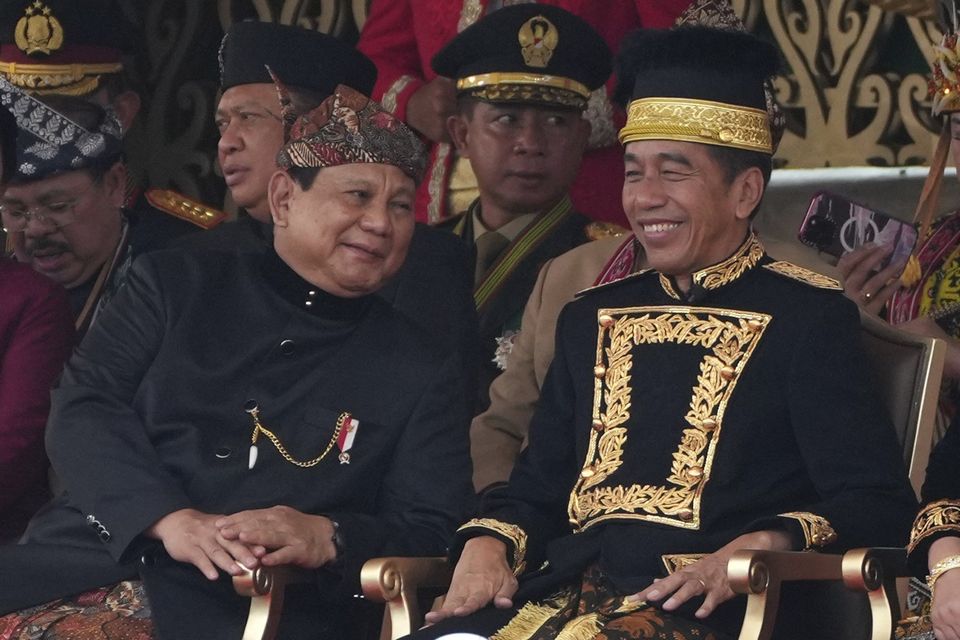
[729,338]
[513,533]
[936,517]
[817,531]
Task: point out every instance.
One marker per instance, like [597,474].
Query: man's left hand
[286,535]
[708,576]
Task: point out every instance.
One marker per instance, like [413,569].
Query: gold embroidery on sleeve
[390,97]
[942,515]
[674,562]
[817,531]
[807,276]
[513,533]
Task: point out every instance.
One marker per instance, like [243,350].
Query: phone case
[835,226]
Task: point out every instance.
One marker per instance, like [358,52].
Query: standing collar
[307,296]
[745,258]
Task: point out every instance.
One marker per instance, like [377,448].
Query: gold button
[726,135]
[728,373]
[599,371]
[709,424]
[685,514]
[598,426]
[587,473]
[695,472]
[606,321]
[754,325]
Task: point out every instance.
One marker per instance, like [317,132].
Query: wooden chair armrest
[396,582]
[759,574]
[875,572]
[265,586]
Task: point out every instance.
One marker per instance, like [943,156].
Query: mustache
[44,244]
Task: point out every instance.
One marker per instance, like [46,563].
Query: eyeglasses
[56,214]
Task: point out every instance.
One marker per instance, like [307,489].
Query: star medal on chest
[343,435]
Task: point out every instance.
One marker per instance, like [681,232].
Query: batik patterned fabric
[117,612]
[49,142]
[596,611]
[348,128]
[936,294]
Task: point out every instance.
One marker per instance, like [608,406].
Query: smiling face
[525,157]
[72,254]
[349,232]
[681,206]
[251,134]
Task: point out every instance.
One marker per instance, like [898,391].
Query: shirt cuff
[513,536]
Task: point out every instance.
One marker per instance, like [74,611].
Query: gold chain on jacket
[258,428]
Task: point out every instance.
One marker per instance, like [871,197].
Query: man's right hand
[481,576]
[191,536]
[429,107]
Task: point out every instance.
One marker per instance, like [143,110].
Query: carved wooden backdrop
[854,89]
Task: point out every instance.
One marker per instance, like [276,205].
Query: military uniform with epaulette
[526,55]
[68,48]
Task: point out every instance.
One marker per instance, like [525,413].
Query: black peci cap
[300,57]
[697,84]
[529,53]
[62,46]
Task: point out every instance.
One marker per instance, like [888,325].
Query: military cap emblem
[38,31]
[538,38]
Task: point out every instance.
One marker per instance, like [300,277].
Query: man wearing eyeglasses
[63,208]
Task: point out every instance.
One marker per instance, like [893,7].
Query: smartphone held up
[836,226]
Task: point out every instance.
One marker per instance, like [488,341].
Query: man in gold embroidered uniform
[80,48]
[716,401]
[519,121]
[236,408]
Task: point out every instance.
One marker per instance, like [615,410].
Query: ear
[457,126]
[115,185]
[280,192]
[748,188]
[127,106]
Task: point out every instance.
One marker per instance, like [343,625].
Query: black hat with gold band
[528,53]
[62,46]
[697,84]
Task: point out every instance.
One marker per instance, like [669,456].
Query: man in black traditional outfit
[714,402]
[236,408]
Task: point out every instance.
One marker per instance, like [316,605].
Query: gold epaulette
[182,207]
[604,285]
[600,230]
[796,272]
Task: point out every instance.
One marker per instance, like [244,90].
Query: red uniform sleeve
[37,328]
[389,40]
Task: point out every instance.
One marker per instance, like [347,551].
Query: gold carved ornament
[703,121]
[516,535]
[730,338]
[936,517]
[817,531]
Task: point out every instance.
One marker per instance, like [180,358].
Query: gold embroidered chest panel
[727,338]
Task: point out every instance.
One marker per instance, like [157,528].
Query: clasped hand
[269,537]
